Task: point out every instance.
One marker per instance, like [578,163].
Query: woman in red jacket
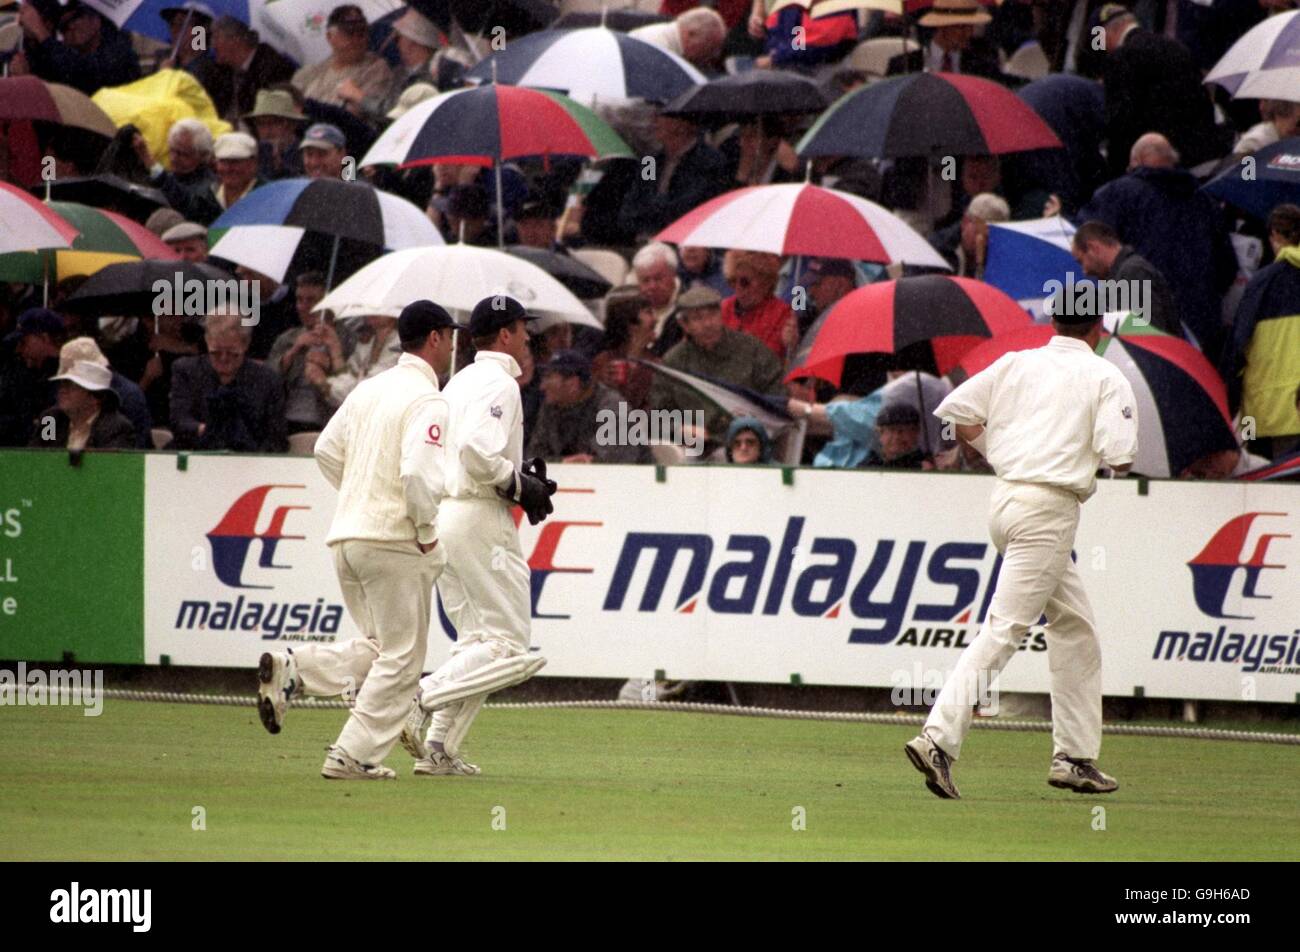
[755,308]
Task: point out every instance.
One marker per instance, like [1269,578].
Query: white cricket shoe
[437,764]
[1081,776]
[277,676]
[931,759]
[415,729]
[340,765]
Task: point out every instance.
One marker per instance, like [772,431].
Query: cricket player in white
[486,587]
[385,453]
[1046,420]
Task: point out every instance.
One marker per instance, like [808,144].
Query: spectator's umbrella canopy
[494,123]
[1275,179]
[127,289]
[1285,468]
[803,220]
[296,28]
[26,97]
[930,115]
[748,95]
[262,230]
[105,238]
[457,277]
[568,270]
[111,192]
[1024,256]
[1182,404]
[28,224]
[145,16]
[885,317]
[591,65]
[733,400]
[1273,44]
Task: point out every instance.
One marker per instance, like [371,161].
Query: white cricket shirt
[385,453]
[1051,415]
[486,426]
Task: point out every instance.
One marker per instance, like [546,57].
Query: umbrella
[1023,256]
[1284,468]
[333,207]
[297,27]
[1272,44]
[111,192]
[613,66]
[491,124]
[802,219]
[931,115]
[1271,84]
[887,316]
[27,223]
[457,277]
[105,237]
[516,17]
[757,92]
[26,97]
[156,102]
[568,270]
[145,16]
[127,288]
[1182,404]
[1276,179]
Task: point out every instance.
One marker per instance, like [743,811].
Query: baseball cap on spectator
[421,318]
[418,29]
[80,348]
[235,145]
[36,320]
[186,229]
[90,376]
[348,18]
[495,312]
[463,201]
[570,363]
[698,297]
[411,96]
[323,136]
[1111,11]
[831,268]
[898,414]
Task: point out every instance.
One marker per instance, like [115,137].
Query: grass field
[614,785]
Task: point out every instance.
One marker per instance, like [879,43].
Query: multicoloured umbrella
[264,228]
[929,115]
[105,237]
[1275,178]
[1182,403]
[614,66]
[27,223]
[885,317]
[803,220]
[26,97]
[1023,256]
[1272,44]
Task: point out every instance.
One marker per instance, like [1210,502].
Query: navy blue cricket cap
[36,320]
[421,318]
[495,312]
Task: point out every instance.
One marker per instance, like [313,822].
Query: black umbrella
[758,92]
[109,192]
[569,271]
[517,17]
[133,289]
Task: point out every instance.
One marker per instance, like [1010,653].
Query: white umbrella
[457,277]
[28,224]
[297,27]
[1281,83]
[267,249]
[1270,46]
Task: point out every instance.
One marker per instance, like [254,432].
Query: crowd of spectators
[1142,134]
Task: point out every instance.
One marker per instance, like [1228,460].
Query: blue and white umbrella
[1258,188]
[1269,46]
[145,16]
[590,65]
[1024,256]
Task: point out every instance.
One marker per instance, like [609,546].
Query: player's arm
[483,447]
[424,462]
[1115,427]
[331,448]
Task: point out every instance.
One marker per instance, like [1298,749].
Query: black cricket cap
[421,318]
[495,312]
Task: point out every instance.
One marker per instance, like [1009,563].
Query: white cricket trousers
[388,590]
[486,591]
[1033,526]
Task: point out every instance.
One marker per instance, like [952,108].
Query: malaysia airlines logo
[234,535]
[1216,566]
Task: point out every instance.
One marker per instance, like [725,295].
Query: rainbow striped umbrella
[105,238]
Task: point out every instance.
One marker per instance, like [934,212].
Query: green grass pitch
[591,785]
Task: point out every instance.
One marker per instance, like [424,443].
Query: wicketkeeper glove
[537,467]
[531,494]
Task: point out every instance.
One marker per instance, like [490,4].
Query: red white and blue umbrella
[1274,179]
[1182,403]
[1273,45]
[1022,257]
[590,65]
[803,220]
[263,229]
